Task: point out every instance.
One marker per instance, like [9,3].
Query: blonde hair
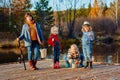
[74,48]
[54,30]
[83,28]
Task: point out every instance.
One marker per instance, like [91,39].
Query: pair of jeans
[33,51]
[91,50]
[82,59]
[87,52]
[56,52]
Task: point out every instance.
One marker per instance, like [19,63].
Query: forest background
[105,20]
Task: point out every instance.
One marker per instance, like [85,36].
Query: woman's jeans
[87,52]
[33,51]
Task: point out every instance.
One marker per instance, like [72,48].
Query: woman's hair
[29,14]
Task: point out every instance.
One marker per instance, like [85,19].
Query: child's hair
[54,30]
[83,28]
[74,47]
[86,23]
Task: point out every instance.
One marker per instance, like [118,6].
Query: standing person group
[32,36]
[87,38]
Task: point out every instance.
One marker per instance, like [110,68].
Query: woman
[32,36]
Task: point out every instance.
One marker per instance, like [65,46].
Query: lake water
[101,53]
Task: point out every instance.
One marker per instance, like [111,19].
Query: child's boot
[87,64]
[54,66]
[91,65]
[57,65]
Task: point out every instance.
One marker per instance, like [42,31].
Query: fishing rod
[21,55]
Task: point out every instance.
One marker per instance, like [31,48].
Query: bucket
[74,65]
[43,53]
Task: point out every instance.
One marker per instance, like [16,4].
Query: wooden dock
[15,71]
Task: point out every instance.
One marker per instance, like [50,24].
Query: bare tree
[70,13]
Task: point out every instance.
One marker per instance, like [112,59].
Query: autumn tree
[94,11]
[70,15]
[102,9]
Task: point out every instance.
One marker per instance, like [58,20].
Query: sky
[62,3]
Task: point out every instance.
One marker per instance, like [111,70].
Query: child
[54,41]
[87,38]
[73,55]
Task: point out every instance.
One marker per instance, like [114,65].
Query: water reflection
[107,53]
[9,55]
[101,53]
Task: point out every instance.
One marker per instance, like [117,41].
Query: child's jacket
[53,40]
[73,55]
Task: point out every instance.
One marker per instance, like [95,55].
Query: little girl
[73,55]
[87,38]
[54,41]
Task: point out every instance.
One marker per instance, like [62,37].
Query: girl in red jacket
[54,41]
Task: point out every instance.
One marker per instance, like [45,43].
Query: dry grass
[9,44]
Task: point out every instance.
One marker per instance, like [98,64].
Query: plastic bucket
[74,65]
[43,53]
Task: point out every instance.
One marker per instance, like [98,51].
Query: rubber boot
[31,65]
[57,65]
[87,64]
[54,66]
[34,64]
[67,64]
[91,65]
